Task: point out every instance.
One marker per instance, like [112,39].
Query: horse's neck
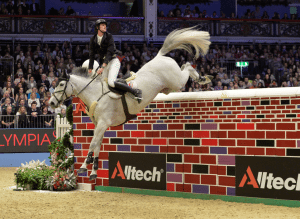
[88,95]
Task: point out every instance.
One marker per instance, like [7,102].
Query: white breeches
[113,71]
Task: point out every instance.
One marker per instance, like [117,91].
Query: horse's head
[62,91]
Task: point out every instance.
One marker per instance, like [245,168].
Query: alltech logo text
[268,177]
[131,173]
[137,170]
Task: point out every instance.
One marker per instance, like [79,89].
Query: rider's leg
[112,76]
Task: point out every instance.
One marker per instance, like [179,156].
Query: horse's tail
[184,39]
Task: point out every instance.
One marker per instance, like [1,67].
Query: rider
[102,43]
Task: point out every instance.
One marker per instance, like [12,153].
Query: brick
[160,141]
[275,134]
[144,127]
[209,142]
[200,134]
[286,143]
[171,187]
[192,178]
[208,159]
[137,134]
[175,141]
[285,126]
[244,142]
[208,179]
[187,188]
[293,134]
[245,126]
[221,170]
[191,158]
[90,126]
[227,126]
[77,119]
[179,187]
[201,150]
[175,126]
[147,141]
[227,181]
[226,142]
[123,134]
[236,134]
[168,134]
[265,126]
[184,149]
[217,190]
[136,148]
[234,150]
[81,126]
[255,134]
[102,173]
[218,134]
[255,151]
[183,134]
[152,134]
[130,141]
[81,140]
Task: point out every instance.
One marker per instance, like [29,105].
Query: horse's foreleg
[93,174]
[96,143]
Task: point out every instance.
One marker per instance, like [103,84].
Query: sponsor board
[268,177]
[26,140]
[137,170]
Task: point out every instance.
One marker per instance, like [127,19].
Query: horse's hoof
[82,170]
[92,177]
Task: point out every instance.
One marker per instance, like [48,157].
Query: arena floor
[79,204]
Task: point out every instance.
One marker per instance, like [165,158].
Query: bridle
[63,91]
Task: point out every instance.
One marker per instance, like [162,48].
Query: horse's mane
[80,71]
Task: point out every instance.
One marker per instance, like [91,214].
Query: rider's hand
[100,70]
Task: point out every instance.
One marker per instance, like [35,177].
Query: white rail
[62,126]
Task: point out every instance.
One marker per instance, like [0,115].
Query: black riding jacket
[106,51]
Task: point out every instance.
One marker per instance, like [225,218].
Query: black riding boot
[136,92]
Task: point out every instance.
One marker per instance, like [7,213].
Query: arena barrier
[232,143]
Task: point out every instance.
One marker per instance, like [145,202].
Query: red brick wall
[200,137]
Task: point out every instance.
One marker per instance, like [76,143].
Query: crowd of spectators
[22,7]
[37,69]
[196,13]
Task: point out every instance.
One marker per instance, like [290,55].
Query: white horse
[161,74]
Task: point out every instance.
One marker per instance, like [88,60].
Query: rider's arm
[110,49]
[92,53]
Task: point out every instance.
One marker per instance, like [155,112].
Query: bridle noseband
[63,91]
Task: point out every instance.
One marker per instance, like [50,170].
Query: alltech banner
[268,177]
[137,170]
[26,140]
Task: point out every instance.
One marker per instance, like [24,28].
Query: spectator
[6,95]
[161,14]
[219,86]
[8,119]
[247,83]
[22,102]
[276,16]
[259,80]
[7,103]
[265,15]
[285,17]
[9,85]
[225,81]
[70,11]
[47,119]
[33,98]
[35,8]
[170,14]
[34,112]
[214,15]
[31,83]
[10,7]
[61,11]
[233,16]
[23,121]
[43,82]
[267,80]
[21,92]
[257,14]
[52,87]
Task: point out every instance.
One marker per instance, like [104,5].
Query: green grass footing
[266,201]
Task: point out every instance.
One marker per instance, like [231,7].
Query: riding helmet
[101,21]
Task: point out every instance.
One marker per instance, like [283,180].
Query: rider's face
[102,27]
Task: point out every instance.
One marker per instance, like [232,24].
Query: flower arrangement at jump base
[60,175]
